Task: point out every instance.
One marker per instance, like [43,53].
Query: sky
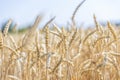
[24,12]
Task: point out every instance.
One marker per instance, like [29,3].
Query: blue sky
[24,11]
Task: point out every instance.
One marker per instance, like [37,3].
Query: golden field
[60,54]
[54,53]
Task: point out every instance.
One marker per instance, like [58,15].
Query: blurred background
[24,12]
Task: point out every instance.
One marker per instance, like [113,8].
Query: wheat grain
[112,30]
[1,40]
[6,28]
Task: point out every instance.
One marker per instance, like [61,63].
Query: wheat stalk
[112,30]
[91,33]
[95,21]
[74,13]
[6,28]
[1,40]
[48,22]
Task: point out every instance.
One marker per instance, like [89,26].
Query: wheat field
[54,53]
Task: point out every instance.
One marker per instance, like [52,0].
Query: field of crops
[60,53]
[54,53]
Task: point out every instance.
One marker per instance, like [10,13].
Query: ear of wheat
[6,28]
[112,30]
[1,40]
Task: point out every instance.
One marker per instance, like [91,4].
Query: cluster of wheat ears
[60,54]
